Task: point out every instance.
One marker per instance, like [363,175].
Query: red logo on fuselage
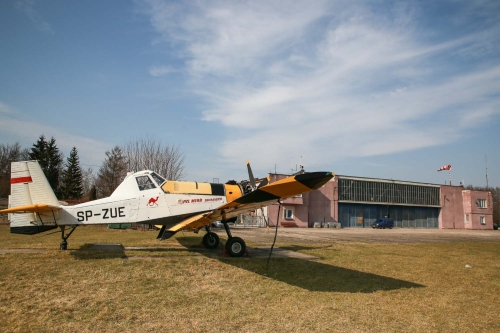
[153,201]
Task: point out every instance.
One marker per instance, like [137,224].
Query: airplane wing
[261,197]
[37,208]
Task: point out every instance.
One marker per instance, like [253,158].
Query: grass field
[353,287]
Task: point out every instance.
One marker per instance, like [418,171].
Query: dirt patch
[107,247]
[22,251]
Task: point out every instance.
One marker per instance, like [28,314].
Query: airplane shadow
[90,251]
[312,275]
[306,274]
[99,251]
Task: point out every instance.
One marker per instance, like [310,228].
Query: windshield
[144,183]
[157,178]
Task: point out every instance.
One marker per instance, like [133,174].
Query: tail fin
[29,187]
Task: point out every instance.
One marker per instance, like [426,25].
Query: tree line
[70,181]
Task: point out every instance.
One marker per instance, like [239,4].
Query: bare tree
[8,154]
[148,153]
[24,155]
[88,181]
[111,173]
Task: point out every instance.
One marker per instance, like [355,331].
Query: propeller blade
[250,176]
[264,182]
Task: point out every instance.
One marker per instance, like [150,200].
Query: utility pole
[486,163]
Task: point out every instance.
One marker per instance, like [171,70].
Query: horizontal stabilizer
[36,208]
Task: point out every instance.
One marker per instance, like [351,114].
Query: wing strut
[53,215]
[162,230]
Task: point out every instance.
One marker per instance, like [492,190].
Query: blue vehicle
[383,223]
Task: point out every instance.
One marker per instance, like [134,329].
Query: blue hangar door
[363,215]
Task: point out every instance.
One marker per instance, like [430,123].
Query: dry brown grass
[352,288]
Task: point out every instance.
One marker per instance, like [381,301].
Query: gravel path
[363,235]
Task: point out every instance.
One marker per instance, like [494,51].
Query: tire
[63,245]
[236,247]
[390,227]
[383,227]
[211,240]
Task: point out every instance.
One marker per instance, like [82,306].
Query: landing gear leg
[235,246]
[64,243]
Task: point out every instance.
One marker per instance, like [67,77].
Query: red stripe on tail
[21,180]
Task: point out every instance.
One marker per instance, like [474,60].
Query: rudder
[29,186]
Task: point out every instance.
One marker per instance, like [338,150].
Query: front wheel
[236,247]
[211,240]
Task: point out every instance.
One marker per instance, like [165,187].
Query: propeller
[250,176]
[254,187]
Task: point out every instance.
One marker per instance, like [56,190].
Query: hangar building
[356,202]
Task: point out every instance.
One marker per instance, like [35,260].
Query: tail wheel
[236,247]
[211,240]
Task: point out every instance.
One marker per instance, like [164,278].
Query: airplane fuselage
[145,197]
[152,207]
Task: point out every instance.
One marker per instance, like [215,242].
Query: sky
[382,89]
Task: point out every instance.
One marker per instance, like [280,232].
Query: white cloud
[328,80]
[91,151]
[161,70]
[27,6]
[5,108]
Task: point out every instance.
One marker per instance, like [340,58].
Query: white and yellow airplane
[146,197]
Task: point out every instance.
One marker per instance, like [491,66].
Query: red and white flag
[446,167]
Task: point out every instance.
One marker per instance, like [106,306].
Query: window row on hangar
[401,193]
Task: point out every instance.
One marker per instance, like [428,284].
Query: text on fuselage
[198,200]
[106,213]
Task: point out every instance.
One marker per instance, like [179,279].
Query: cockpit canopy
[149,180]
[146,183]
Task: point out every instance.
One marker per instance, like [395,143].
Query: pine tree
[71,186]
[112,172]
[39,152]
[50,160]
[54,165]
